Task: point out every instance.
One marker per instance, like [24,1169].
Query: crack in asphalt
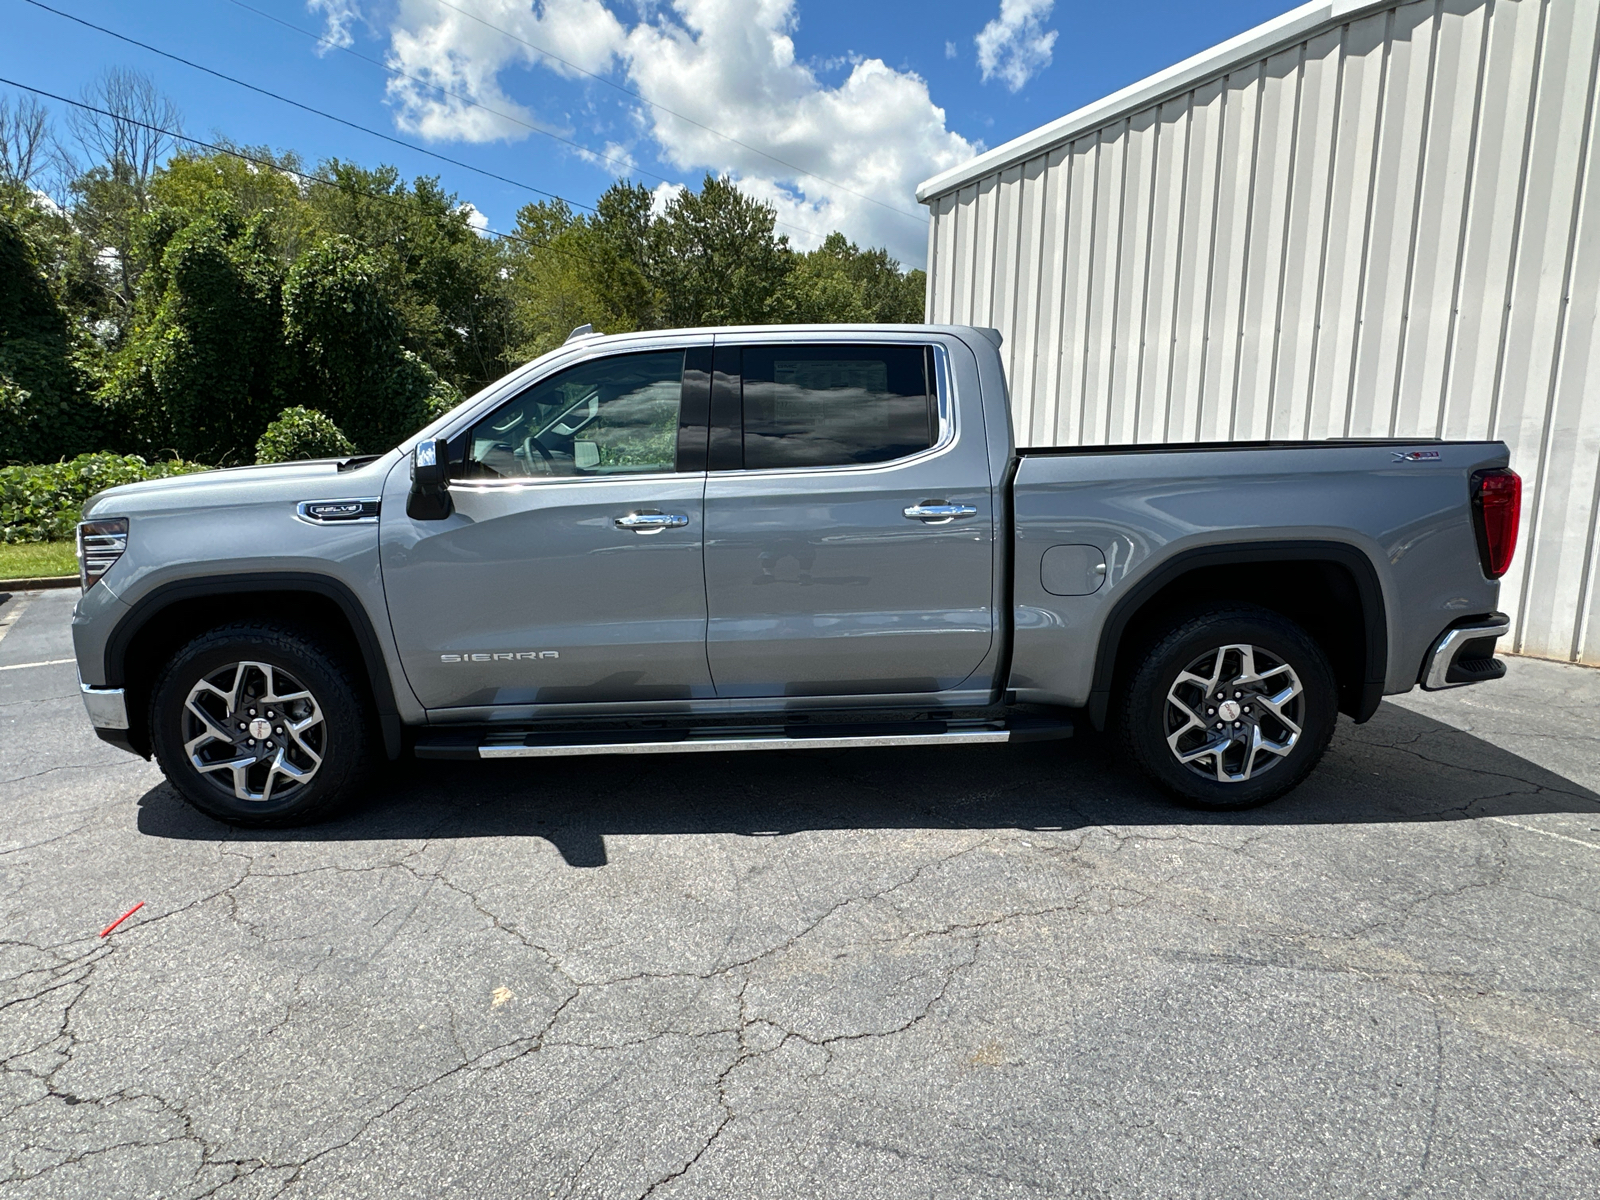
[733,1007]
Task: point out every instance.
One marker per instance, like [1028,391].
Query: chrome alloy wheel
[254,731]
[1234,713]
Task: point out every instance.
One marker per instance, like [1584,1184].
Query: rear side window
[827,406]
[610,416]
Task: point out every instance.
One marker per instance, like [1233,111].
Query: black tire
[1155,706]
[237,659]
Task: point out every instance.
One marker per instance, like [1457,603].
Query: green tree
[43,413]
[568,270]
[838,281]
[347,337]
[124,134]
[443,281]
[205,370]
[716,259]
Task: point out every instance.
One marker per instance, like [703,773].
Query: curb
[38,582]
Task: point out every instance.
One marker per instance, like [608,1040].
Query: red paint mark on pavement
[122,918]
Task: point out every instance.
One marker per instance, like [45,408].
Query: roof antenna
[582,331]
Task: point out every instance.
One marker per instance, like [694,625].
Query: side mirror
[430,485]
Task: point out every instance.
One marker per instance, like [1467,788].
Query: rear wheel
[1230,708]
[258,724]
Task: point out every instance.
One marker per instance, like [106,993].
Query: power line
[632,167]
[671,112]
[504,116]
[307,108]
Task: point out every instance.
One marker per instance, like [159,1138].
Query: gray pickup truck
[779,538]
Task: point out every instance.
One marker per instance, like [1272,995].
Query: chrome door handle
[935,512]
[651,522]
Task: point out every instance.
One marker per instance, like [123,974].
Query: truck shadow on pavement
[1399,767]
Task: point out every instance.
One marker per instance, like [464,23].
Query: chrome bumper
[1465,654]
[107,707]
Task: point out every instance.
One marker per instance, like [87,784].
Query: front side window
[612,416]
[824,406]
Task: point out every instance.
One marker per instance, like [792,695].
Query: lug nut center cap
[1228,710]
[261,728]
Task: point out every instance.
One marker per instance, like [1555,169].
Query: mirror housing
[430,483]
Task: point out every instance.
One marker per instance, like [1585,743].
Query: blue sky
[831,110]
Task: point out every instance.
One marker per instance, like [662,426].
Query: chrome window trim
[605,346]
[523,382]
[475,408]
[947,423]
[488,485]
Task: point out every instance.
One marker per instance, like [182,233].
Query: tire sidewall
[345,740]
[1144,714]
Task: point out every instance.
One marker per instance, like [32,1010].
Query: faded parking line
[1560,837]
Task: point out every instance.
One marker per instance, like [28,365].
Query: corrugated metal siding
[1390,228]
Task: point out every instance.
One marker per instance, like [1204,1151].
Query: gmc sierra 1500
[779,538]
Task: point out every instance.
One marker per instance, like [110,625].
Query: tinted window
[823,406]
[613,416]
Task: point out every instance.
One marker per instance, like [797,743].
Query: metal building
[1359,219]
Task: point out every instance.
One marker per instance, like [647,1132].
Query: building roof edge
[1293,26]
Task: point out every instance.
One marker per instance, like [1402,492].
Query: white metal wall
[1389,228]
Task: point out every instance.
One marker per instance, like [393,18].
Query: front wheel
[1229,709]
[258,724]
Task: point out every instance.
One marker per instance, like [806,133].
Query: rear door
[570,571]
[849,537]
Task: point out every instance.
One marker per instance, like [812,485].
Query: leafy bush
[348,337]
[42,411]
[45,502]
[205,371]
[300,433]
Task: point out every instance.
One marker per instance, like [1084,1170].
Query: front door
[821,576]
[571,570]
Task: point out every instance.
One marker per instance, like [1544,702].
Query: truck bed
[1098,526]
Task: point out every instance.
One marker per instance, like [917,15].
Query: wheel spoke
[211,729]
[1243,685]
[271,686]
[1214,746]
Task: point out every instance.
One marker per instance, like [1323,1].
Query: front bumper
[108,713]
[107,707]
[1465,654]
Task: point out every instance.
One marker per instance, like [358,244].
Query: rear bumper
[1465,654]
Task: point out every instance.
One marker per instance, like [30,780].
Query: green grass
[28,560]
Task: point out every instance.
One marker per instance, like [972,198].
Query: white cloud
[663,195]
[450,49]
[1015,45]
[950,50]
[476,221]
[338,16]
[722,65]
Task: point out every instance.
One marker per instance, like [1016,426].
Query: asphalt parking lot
[989,971]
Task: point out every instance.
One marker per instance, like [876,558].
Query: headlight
[100,544]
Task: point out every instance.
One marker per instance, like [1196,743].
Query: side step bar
[521,743]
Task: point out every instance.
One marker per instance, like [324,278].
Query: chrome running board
[722,739]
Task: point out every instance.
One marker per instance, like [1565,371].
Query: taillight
[1496,514]
[100,544]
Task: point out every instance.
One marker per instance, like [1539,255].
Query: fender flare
[162,597]
[1368,587]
